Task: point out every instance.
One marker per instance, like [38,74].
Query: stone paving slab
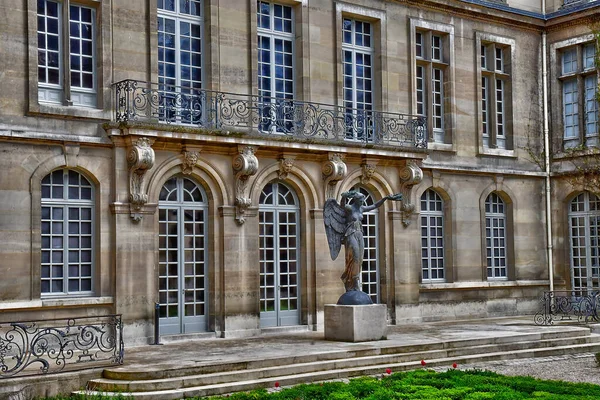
[193,353]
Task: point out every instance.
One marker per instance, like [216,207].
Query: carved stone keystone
[190,158]
[410,175]
[140,159]
[334,170]
[286,164]
[245,164]
[368,169]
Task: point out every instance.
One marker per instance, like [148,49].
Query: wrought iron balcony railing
[147,102]
[60,345]
[581,305]
[567,3]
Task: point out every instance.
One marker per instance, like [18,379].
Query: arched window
[369,277]
[279,245]
[432,237]
[495,237]
[584,224]
[67,234]
[182,266]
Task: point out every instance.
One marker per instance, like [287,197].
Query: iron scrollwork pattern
[582,306]
[143,101]
[56,345]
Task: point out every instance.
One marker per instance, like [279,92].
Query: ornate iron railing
[143,101]
[567,3]
[583,306]
[57,345]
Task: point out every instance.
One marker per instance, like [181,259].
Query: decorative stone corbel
[333,170]
[410,175]
[245,164]
[140,158]
[286,164]
[368,169]
[190,158]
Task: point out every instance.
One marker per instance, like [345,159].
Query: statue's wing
[334,217]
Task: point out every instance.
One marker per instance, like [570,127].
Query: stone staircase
[233,376]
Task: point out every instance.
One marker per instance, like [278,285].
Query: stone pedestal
[355,323]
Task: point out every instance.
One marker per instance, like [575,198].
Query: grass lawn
[422,384]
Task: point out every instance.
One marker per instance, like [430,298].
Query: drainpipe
[547,155]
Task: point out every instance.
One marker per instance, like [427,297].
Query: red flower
[454,365]
[276,384]
[423,362]
[388,371]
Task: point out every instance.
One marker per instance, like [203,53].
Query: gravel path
[572,368]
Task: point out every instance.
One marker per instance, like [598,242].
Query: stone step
[296,378]
[323,365]
[149,373]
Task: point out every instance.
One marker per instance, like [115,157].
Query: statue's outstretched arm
[378,203]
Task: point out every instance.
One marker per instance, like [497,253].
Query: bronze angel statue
[343,225]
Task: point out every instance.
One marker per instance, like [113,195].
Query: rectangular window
[499,59]
[589,56]
[437,82]
[431,75]
[180,61]
[357,56]
[500,137]
[591,106]
[70,63]
[420,90]
[484,110]
[436,47]
[579,82]
[495,94]
[569,61]
[419,45]
[483,57]
[571,109]
[275,65]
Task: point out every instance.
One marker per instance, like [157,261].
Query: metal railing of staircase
[138,101]
[60,345]
[575,305]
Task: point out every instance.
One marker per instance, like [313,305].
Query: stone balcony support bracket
[140,158]
[245,164]
[334,170]
[410,175]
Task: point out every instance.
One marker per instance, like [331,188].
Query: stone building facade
[180,153]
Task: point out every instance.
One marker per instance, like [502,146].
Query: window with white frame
[495,237]
[369,277]
[496,100]
[432,237]
[358,78]
[432,58]
[67,223]
[180,60]
[584,224]
[66,53]
[579,79]
[275,28]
